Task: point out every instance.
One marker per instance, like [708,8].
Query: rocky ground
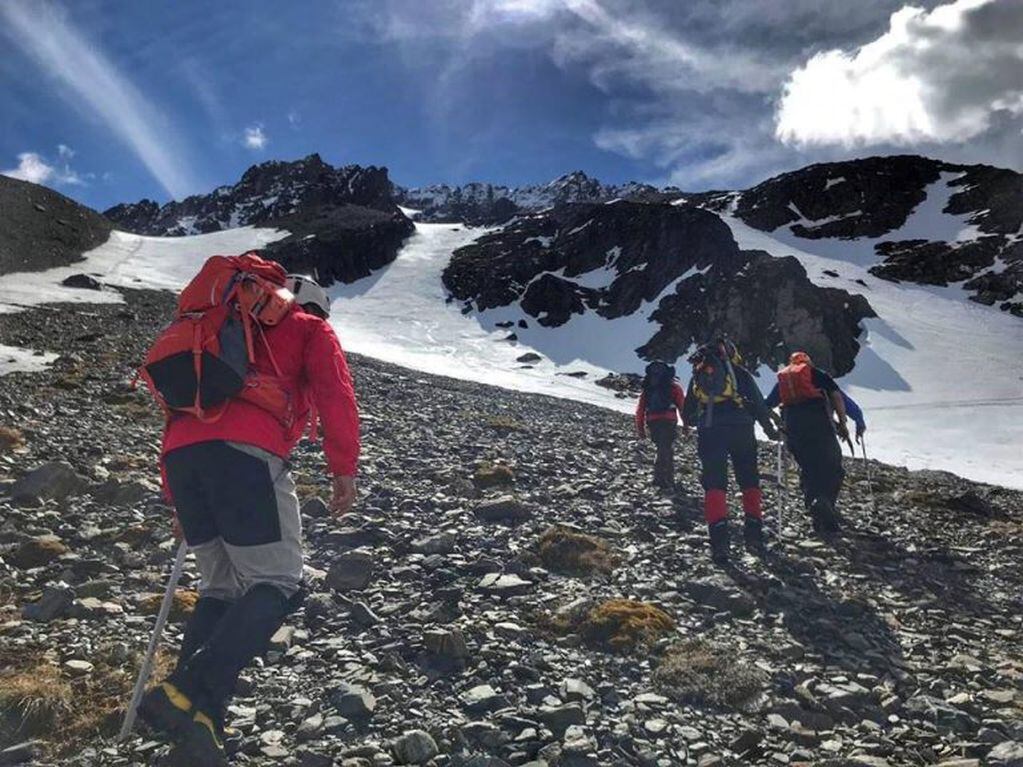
[449,626]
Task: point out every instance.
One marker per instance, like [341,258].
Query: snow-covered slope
[400,315]
[131,261]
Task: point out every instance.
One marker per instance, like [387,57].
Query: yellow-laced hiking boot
[166,709]
[199,745]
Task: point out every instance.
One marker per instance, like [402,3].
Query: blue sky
[113,101]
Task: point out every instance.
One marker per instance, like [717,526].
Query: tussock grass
[568,551]
[10,439]
[701,673]
[617,625]
[181,608]
[504,423]
[489,475]
[38,701]
[33,700]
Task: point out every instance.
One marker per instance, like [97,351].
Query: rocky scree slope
[613,259]
[481,204]
[874,197]
[437,633]
[41,229]
[344,222]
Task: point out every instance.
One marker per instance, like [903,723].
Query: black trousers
[811,439]
[663,434]
[722,441]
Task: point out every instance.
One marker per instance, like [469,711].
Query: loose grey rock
[352,570]
[363,615]
[353,701]
[577,690]
[1006,754]
[940,713]
[415,747]
[51,481]
[315,508]
[21,753]
[559,718]
[441,543]
[83,281]
[54,603]
[720,592]
[504,585]
[506,509]
[446,647]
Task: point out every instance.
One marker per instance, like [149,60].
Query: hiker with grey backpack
[660,402]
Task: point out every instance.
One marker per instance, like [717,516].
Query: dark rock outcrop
[41,228]
[266,194]
[340,243]
[769,307]
[874,197]
[343,221]
[612,259]
[883,191]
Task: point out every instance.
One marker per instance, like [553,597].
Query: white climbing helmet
[307,291]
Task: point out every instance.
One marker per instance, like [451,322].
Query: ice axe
[154,641]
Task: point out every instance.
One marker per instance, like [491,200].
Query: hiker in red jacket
[657,411]
[236,505]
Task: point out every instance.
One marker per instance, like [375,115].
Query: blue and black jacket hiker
[724,403]
[657,411]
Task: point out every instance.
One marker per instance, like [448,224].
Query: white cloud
[935,76]
[294,118]
[31,167]
[44,32]
[255,137]
[35,168]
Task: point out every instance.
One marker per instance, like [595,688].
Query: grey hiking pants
[239,513]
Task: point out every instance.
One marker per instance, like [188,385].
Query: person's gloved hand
[860,430]
[770,431]
[843,430]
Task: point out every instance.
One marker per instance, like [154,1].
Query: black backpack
[657,385]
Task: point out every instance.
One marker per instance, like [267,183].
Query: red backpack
[795,384]
[205,357]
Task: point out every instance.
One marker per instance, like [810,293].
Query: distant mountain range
[487,204]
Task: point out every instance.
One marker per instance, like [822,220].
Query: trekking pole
[782,493]
[870,483]
[154,640]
